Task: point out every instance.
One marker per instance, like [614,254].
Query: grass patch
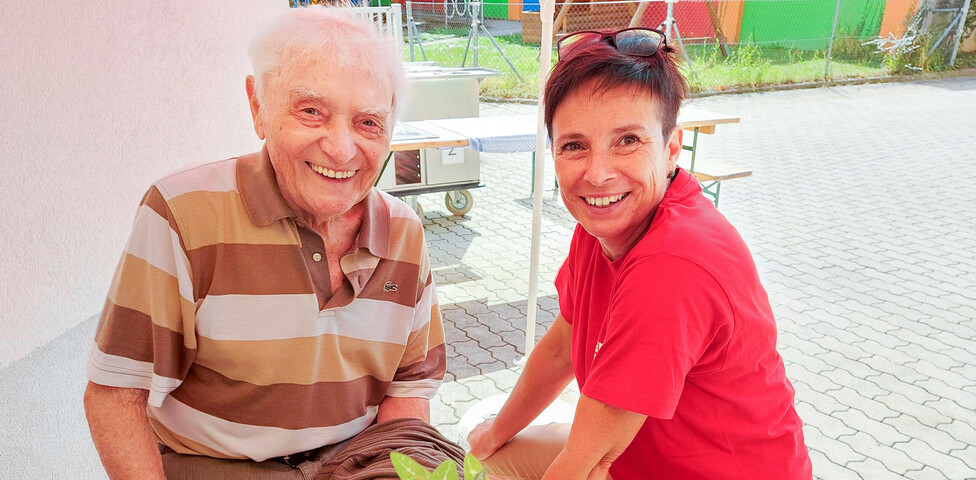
[745,65]
[449,51]
[966,60]
[755,66]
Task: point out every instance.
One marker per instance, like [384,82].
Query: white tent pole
[547,9]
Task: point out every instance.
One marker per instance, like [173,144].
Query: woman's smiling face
[612,161]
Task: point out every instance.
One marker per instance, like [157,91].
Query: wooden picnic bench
[712,173]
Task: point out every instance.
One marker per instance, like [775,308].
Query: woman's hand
[600,433]
[483,443]
[547,372]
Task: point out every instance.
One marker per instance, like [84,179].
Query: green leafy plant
[409,469]
[968,59]
[908,53]
[854,48]
[748,60]
[970,20]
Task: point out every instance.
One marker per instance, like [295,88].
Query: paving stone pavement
[862,220]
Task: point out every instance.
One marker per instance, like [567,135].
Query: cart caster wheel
[459,202]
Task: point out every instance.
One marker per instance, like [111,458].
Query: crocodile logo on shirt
[389,287]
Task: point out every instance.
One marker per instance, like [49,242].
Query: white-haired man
[272,310]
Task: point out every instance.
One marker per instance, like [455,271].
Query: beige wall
[98,99]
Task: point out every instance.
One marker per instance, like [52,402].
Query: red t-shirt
[680,329]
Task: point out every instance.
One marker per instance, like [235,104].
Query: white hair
[333,33]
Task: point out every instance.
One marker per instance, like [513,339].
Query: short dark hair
[603,64]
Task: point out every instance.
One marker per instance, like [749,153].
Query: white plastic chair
[387,20]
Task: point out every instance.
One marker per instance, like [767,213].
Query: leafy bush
[970,20]
[909,53]
[968,59]
[748,63]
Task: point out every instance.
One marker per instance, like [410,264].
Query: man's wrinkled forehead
[298,72]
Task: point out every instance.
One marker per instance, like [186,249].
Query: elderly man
[273,315]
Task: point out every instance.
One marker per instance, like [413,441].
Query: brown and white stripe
[214,310]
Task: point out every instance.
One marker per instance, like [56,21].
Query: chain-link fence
[725,43]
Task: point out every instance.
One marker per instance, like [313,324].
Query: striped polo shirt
[221,308]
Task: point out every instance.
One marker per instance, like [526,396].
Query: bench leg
[712,190]
[693,148]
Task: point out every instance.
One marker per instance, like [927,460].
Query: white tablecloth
[504,134]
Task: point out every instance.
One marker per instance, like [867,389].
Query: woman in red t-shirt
[663,320]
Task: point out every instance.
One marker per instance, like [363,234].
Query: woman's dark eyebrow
[571,136]
[629,128]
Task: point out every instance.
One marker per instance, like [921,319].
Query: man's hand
[483,444]
[121,432]
[392,408]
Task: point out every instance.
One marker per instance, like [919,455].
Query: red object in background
[690,16]
[428,6]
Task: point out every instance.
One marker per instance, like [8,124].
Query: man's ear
[674,147]
[255,103]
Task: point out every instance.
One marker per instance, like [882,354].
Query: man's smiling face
[327,129]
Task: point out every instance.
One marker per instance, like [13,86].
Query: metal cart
[427,159]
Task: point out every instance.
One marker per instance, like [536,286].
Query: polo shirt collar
[374,234]
[259,189]
[265,205]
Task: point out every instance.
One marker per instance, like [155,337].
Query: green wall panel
[806,24]
[496,8]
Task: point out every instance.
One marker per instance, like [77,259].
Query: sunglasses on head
[637,41]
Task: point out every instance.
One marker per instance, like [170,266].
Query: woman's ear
[674,147]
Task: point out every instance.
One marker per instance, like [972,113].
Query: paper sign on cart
[452,156]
